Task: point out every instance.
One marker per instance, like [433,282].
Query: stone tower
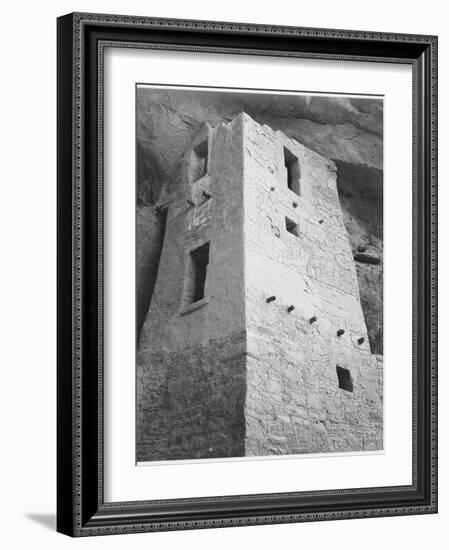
[255,341]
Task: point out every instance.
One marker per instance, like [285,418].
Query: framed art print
[246,274]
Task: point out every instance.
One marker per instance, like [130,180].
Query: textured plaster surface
[236,375]
[294,404]
[197,351]
[346,130]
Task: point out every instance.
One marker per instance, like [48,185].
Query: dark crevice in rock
[150,229]
[360,191]
[365,258]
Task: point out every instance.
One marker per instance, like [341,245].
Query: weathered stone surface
[191,360]
[360,193]
[191,402]
[347,130]
[344,129]
[150,228]
[294,374]
[237,374]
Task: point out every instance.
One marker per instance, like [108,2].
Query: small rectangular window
[344,379]
[293,172]
[292,227]
[196,274]
[200,160]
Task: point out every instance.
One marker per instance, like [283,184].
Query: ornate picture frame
[81,508]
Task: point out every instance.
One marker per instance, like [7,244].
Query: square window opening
[293,171]
[200,156]
[196,274]
[344,379]
[292,227]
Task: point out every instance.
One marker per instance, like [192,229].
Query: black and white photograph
[221,273]
[259,273]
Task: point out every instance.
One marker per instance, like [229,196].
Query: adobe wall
[218,220]
[191,402]
[233,375]
[294,403]
[191,359]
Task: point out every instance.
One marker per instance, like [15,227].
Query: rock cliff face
[348,131]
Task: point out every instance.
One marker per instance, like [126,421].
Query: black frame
[81,510]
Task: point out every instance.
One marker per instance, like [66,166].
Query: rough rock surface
[230,372]
[150,226]
[295,403]
[172,421]
[348,131]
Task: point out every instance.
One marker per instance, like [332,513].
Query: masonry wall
[233,375]
[294,403]
[191,402]
[191,358]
